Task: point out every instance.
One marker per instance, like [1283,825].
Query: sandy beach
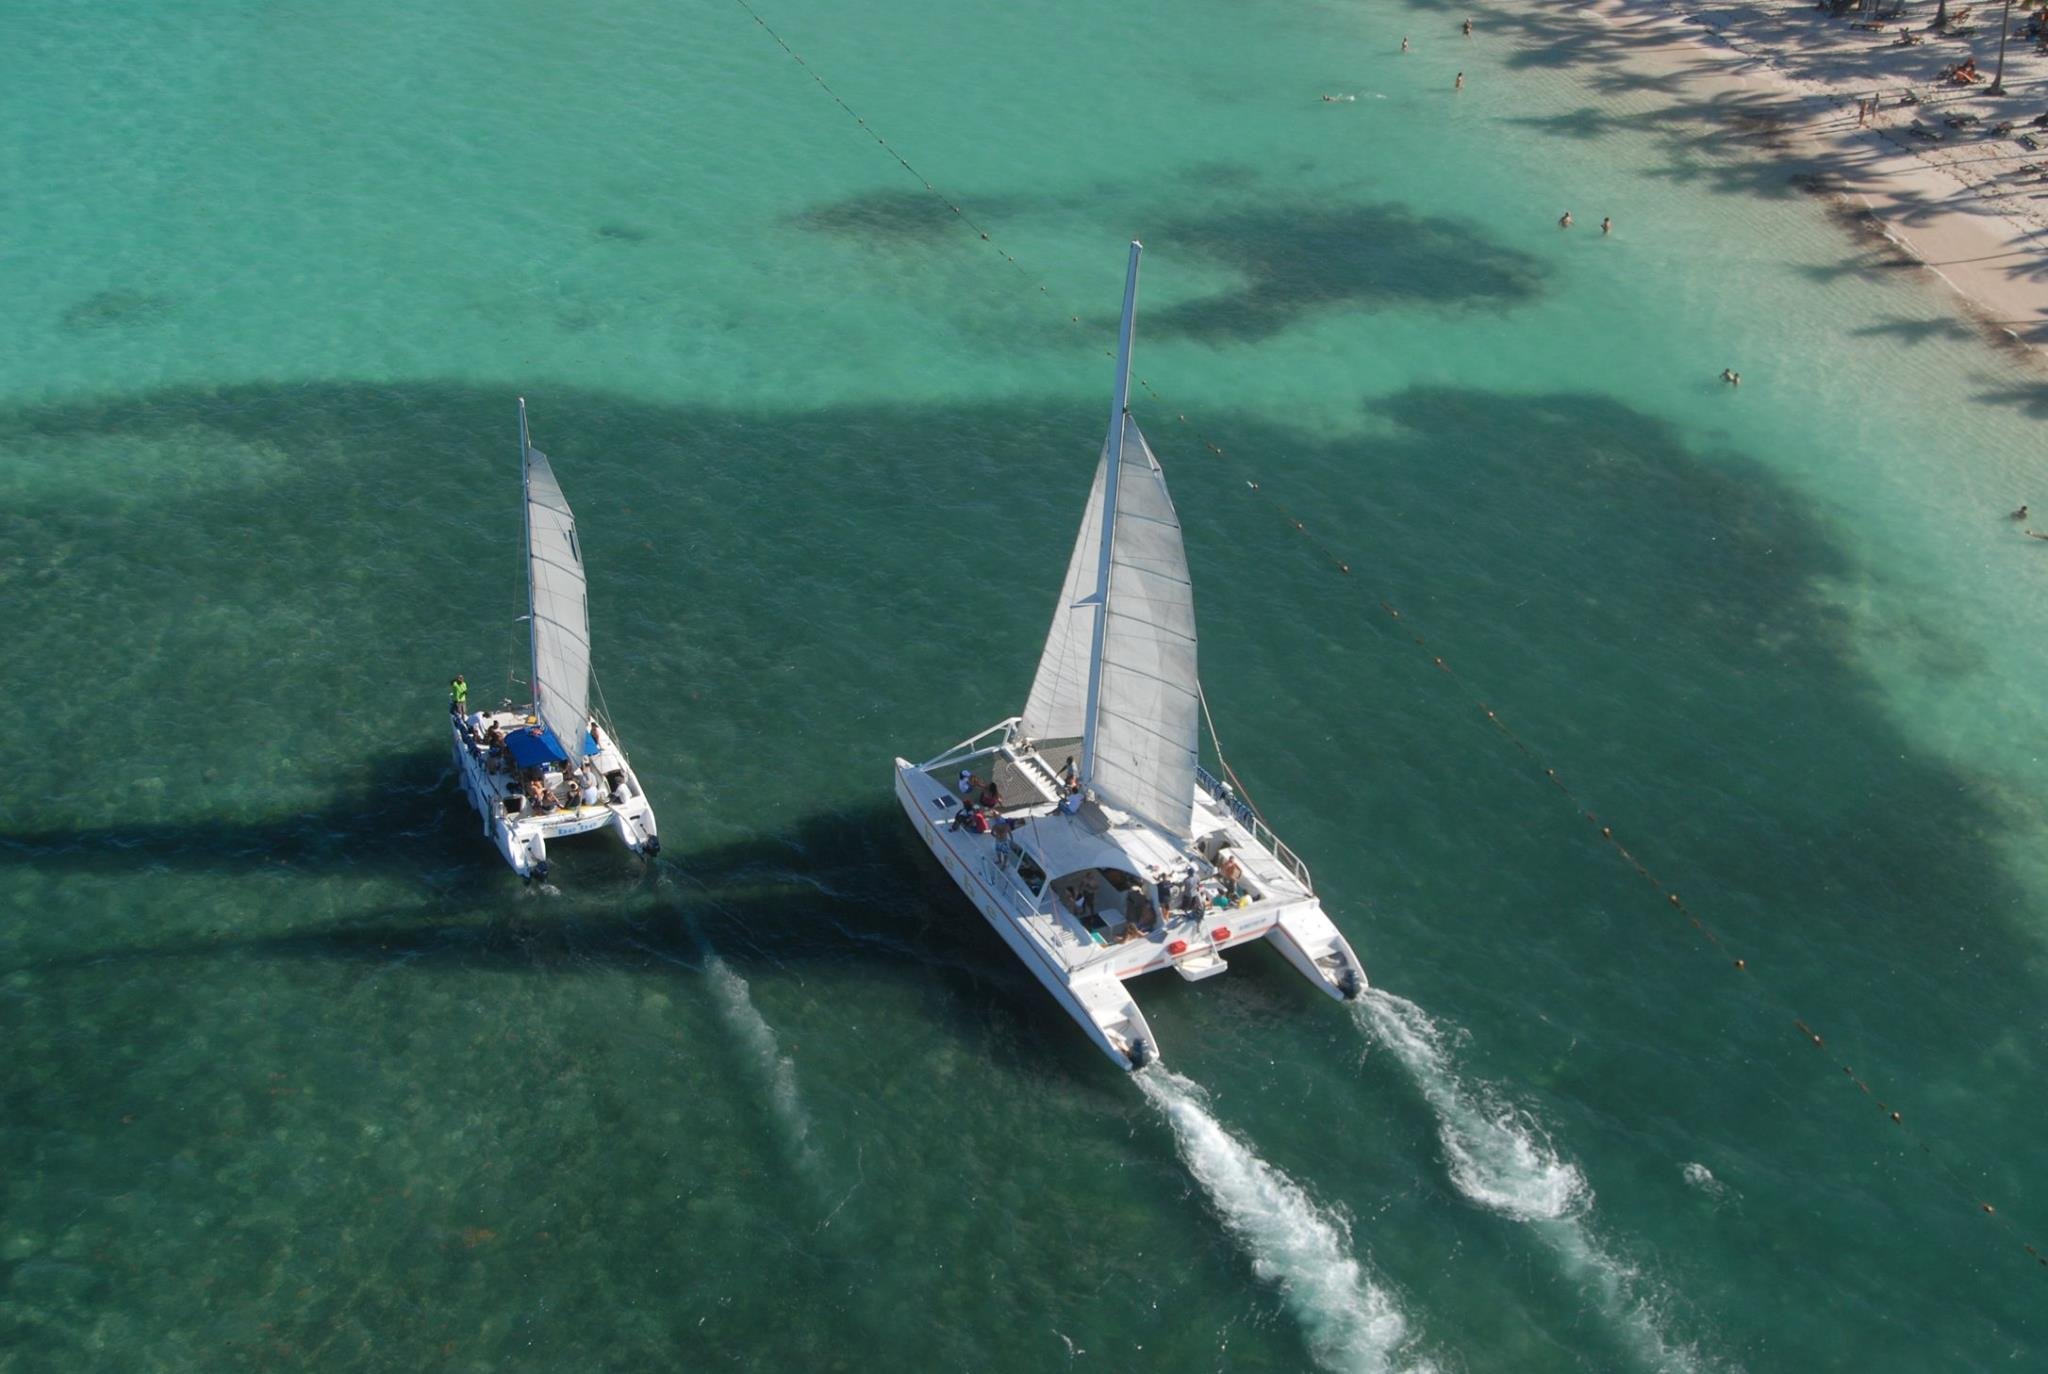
[1930,170]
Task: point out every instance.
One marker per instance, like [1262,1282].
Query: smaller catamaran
[1138,859]
[554,769]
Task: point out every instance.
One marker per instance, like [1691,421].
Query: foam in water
[1500,1157]
[1352,1323]
[757,1037]
[1701,1177]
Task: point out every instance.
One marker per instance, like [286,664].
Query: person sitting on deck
[1070,781]
[991,799]
[586,776]
[965,783]
[540,797]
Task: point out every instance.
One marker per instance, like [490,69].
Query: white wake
[1352,1324]
[1500,1157]
[764,1055]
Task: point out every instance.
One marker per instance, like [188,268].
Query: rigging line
[1343,566]
[1223,763]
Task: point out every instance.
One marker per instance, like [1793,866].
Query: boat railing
[1249,819]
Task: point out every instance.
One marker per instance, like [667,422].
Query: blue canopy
[531,746]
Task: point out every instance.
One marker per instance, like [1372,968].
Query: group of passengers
[577,786]
[981,812]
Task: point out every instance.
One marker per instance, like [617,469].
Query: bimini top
[1064,844]
[534,746]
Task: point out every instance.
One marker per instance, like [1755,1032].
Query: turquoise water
[297,1076]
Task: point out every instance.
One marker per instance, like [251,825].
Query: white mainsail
[1148,708]
[1118,669]
[560,615]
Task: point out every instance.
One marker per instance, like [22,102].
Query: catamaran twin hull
[494,781]
[1091,897]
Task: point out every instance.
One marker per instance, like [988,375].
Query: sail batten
[560,621]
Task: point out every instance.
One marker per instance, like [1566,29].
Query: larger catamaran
[1135,858]
[554,768]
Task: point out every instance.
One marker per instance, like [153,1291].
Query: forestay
[561,618]
[1148,716]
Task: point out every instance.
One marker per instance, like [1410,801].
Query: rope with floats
[1672,899]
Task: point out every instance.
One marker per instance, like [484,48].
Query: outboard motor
[651,848]
[1141,1054]
[540,872]
[1351,985]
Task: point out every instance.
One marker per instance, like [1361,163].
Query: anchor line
[1342,566]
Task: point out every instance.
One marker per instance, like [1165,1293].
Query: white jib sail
[1058,706]
[561,618]
[1148,717]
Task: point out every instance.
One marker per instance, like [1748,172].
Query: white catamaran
[553,769]
[1137,859]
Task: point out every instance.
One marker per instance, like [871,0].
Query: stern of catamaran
[1090,898]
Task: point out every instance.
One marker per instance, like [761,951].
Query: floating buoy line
[1731,961]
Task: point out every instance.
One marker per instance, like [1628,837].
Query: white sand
[1964,206]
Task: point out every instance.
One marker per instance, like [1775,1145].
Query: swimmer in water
[1730,376]
[1460,82]
[2019,514]
[1564,221]
[1404,44]
[1607,224]
[1468,28]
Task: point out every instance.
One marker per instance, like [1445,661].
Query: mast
[526,515]
[1120,406]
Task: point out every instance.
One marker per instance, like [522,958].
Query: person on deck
[458,696]
[1230,873]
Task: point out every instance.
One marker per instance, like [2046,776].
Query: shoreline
[1787,71]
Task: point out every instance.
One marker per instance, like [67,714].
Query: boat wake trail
[765,1056]
[1500,1157]
[1353,1325]
[757,1043]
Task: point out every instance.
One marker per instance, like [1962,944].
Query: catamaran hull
[1096,996]
[522,841]
[1099,1004]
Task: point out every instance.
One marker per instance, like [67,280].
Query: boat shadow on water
[847,890]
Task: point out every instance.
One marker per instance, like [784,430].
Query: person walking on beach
[1564,221]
